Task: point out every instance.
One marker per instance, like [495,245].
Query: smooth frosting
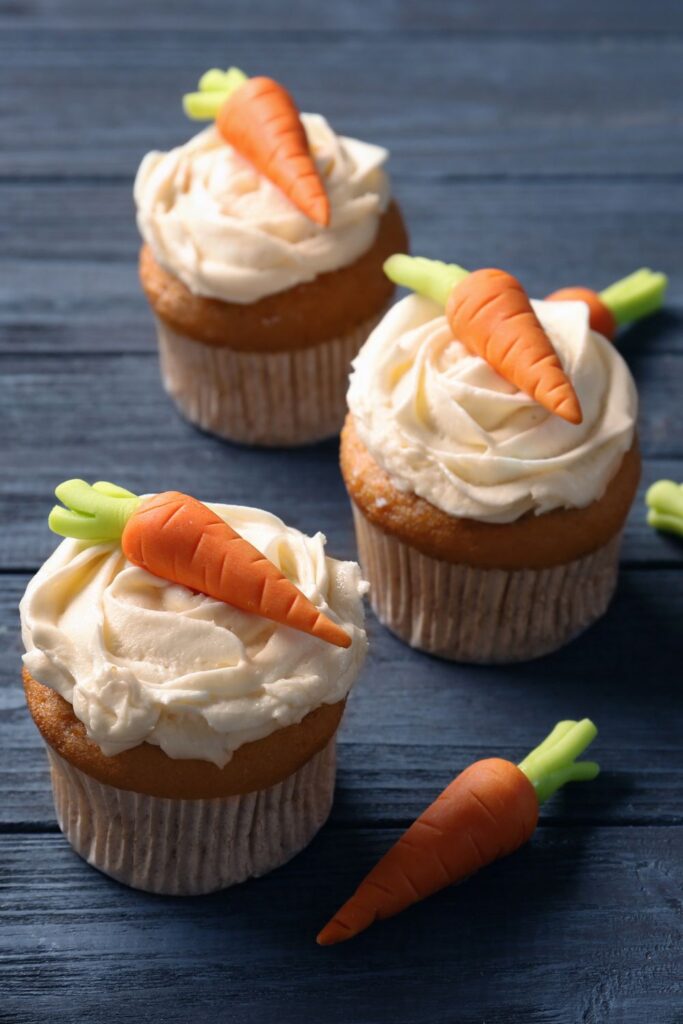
[142,659]
[447,427]
[228,233]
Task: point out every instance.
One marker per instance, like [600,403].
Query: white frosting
[228,233]
[447,427]
[141,659]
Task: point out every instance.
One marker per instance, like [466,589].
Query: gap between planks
[559,37]
[447,178]
[50,828]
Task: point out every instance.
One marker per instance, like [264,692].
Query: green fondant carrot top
[664,500]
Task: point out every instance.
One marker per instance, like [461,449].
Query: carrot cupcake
[491,458]
[188,667]
[264,239]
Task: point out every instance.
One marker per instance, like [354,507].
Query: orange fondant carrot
[178,538]
[489,311]
[488,811]
[262,122]
[601,317]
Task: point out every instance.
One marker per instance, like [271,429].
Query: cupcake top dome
[228,232]
[447,427]
[145,659]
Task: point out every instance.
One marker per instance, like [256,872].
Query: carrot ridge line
[554,761]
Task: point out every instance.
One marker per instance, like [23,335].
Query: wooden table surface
[539,135]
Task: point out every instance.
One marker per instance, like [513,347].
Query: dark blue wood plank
[579,926]
[444,105]
[309,17]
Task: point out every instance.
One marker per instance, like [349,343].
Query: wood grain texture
[539,135]
[501,948]
[444,106]
[308,17]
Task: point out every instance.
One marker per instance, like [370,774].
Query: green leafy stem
[635,296]
[430,278]
[96,513]
[632,298]
[215,87]
[664,500]
[553,763]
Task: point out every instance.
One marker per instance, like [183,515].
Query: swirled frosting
[448,428]
[145,660]
[228,233]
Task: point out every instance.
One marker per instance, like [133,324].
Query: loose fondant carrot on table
[487,812]
[490,313]
[179,539]
[625,301]
[259,118]
[664,500]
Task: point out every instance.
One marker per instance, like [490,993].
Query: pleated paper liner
[261,398]
[190,847]
[488,616]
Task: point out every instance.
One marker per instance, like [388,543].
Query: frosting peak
[145,660]
[229,233]
[446,426]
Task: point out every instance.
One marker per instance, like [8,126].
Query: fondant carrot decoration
[664,500]
[177,538]
[490,313]
[260,119]
[632,298]
[487,812]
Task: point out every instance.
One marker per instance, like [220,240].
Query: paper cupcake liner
[189,847]
[261,398]
[482,615]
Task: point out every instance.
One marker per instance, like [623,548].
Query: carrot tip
[572,415]
[327,630]
[330,936]
[319,211]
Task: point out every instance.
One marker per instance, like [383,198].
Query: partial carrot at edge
[600,316]
[630,299]
[485,813]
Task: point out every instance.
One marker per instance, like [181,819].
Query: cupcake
[491,459]
[187,666]
[262,262]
